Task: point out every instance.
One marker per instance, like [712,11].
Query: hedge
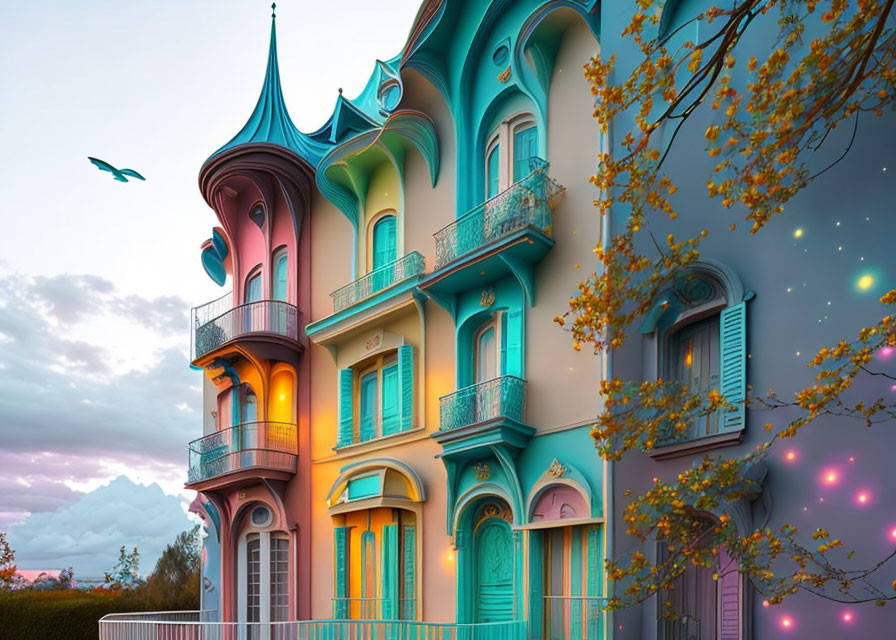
[65,615]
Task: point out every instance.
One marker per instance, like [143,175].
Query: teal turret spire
[270,122]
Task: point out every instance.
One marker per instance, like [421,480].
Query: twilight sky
[97,277]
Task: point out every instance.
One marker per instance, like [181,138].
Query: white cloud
[73,416]
[88,533]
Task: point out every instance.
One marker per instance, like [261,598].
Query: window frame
[255,273]
[502,137]
[377,364]
[369,234]
[280,253]
[264,535]
[727,295]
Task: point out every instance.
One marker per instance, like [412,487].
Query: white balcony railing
[217,322]
[378,280]
[176,626]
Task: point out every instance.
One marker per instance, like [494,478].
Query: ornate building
[396,436]
[396,429]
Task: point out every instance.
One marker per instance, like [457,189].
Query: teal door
[494,571]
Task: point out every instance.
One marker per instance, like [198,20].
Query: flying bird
[118,173]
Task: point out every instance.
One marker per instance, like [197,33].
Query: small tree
[7,563]
[175,581]
[124,575]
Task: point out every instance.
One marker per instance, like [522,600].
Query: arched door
[493,557]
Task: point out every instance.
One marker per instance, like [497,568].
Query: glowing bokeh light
[893,533]
[865,282]
[863,498]
[886,352]
[798,233]
[847,617]
[830,477]
[786,623]
[791,456]
[765,603]
[852,459]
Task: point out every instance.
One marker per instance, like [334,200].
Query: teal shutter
[389,572]
[390,400]
[733,364]
[409,571]
[512,353]
[346,415]
[406,386]
[525,146]
[384,241]
[341,580]
[593,584]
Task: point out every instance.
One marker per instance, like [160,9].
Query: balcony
[474,418]
[250,450]
[378,280]
[385,290]
[508,234]
[187,625]
[270,322]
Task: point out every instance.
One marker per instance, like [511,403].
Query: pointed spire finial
[273,9]
[340,90]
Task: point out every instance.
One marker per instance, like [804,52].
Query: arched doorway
[493,563]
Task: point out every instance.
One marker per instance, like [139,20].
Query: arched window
[263,589]
[253,287]
[485,352]
[692,359]
[525,147]
[384,241]
[248,404]
[279,275]
[508,152]
[493,172]
[699,323]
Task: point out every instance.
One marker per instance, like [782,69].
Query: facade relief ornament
[493,510]
[558,469]
[487,298]
[482,471]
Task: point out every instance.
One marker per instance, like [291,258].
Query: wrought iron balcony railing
[268,445]
[149,626]
[526,203]
[377,280]
[217,323]
[503,397]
